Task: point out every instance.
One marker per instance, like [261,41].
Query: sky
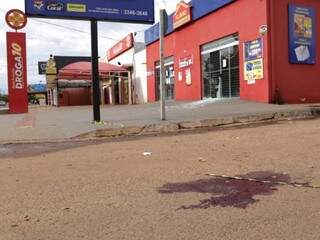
[45,37]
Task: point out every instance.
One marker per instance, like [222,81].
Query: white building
[131,55]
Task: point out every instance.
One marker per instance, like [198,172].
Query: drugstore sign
[17,72]
[121,47]
[182,15]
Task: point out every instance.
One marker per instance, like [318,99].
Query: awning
[82,71]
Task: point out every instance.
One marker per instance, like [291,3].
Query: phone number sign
[136,11]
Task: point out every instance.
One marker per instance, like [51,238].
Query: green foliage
[4,97]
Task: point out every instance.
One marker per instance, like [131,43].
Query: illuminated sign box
[135,11]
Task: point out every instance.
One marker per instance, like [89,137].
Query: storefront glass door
[169,82]
[220,72]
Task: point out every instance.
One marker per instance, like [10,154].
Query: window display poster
[188,77]
[302,34]
[253,70]
[253,49]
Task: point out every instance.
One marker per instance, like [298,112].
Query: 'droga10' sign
[17,66]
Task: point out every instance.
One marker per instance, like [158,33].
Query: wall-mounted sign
[302,34]
[180,76]
[186,61]
[17,72]
[121,47]
[253,49]
[188,77]
[139,11]
[42,68]
[182,15]
[253,70]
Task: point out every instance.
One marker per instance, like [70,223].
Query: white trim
[220,47]
[166,64]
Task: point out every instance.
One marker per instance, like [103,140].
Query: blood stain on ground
[229,192]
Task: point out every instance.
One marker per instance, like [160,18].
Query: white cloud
[44,39]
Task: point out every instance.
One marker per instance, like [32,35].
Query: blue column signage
[136,11]
[302,34]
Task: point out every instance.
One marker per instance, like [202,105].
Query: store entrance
[220,68]
[169,81]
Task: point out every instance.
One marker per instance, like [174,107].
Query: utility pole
[163,29]
[95,71]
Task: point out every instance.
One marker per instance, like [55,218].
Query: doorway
[220,68]
[169,81]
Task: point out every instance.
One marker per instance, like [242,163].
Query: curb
[310,113]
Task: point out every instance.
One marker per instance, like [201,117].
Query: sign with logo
[302,34]
[139,11]
[16,19]
[186,61]
[42,68]
[253,70]
[121,47]
[182,15]
[253,49]
[17,72]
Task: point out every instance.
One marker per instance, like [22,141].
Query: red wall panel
[243,17]
[75,97]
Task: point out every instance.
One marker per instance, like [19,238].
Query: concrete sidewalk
[51,124]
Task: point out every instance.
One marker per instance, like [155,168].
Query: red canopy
[82,70]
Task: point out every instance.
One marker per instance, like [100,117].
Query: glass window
[220,70]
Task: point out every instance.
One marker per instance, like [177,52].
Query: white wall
[140,77]
[125,58]
[139,74]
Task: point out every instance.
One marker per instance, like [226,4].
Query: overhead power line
[68,28]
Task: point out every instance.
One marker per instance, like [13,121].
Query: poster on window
[253,70]
[302,34]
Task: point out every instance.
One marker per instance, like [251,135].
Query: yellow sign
[71,7]
[182,15]
[253,70]
[51,68]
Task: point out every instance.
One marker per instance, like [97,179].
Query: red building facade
[206,56]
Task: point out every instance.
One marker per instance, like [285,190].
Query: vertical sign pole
[162,69]
[17,72]
[95,71]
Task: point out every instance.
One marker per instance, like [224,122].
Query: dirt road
[114,191]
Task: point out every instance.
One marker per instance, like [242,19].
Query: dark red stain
[228,192]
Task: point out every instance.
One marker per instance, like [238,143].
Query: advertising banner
[253,70]
[17,72]
[253,49]
[186,61]
[302,34]
[121,47]
[138,11]
[42,68]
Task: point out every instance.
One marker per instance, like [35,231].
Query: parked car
[3,103]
